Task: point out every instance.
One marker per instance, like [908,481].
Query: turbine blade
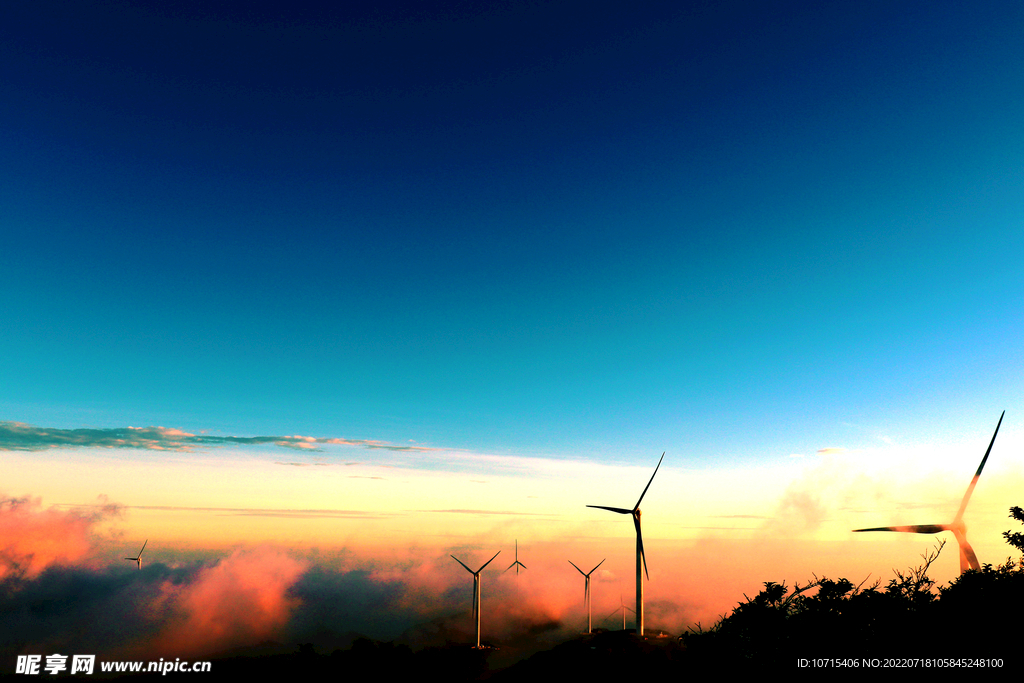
[143,547]
[974,481]
[968,560]
[621,511]
[487,562]
[640,542]
[649,483]
[916,529]
[510,567]
[577,568]
[463,564]
[522,565]
[971,557]
[598,565]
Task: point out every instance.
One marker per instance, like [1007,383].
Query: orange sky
[711,535]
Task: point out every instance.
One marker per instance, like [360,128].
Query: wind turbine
[476,592]
[586,589]
[640,558]
[968,560]
[622,606]
[138,560]
[517,564]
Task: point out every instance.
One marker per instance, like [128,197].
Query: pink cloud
[241,600]
[32,539]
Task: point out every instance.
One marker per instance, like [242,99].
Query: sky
[323,294]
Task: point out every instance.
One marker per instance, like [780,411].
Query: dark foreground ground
[621,653]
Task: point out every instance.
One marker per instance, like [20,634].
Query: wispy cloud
[18,436]
[489,512]
[269,512]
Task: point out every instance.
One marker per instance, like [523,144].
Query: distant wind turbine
[586,589]
[517,564]
[640,558]
[138,560]
[622,606]
[968,560]
[476,592]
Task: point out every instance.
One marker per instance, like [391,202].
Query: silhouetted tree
[827,617]
[1015,538]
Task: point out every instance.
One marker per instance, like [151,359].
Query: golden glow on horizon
[232,497]
[711,534]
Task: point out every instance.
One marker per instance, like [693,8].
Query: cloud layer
[18,436]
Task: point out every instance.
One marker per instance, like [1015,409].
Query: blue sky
[560,229]
[295,291]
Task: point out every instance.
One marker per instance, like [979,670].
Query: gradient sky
[535,244]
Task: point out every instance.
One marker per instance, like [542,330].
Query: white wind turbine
[476,592]
[640,558]
[586,589]
[968,560]
[138,560]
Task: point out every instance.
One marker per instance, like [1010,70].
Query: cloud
[17,436]
[118,612]
[32,539]
[800,511]
[271,512]
[243,599]
[832,450]
[432,595]
[510,513]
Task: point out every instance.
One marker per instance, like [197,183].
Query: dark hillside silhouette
[976,616]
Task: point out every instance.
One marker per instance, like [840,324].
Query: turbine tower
[138,560]
[968,560]
[586,589]
[476,592]
[640,558]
